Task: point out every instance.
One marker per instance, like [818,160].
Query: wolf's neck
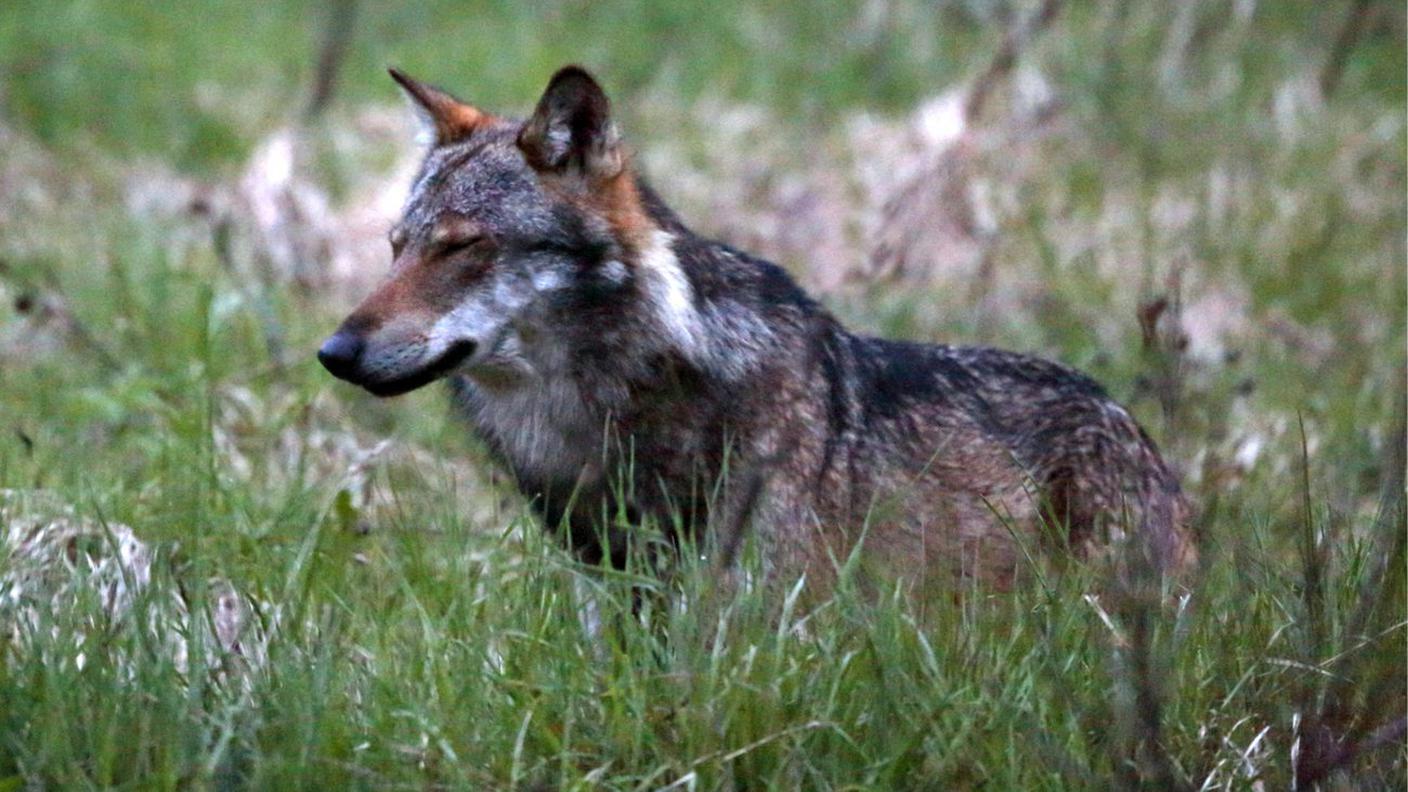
[658,211]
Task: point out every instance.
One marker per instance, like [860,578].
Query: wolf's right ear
[571,130]
[444,117]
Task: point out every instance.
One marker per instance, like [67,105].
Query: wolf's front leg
[767,535]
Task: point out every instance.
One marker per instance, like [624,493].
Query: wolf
[627,371]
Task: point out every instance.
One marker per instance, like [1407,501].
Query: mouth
[457,354]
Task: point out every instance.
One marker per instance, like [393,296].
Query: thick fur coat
[624,369]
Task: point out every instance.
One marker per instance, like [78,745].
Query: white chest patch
[670,294]
[541,425]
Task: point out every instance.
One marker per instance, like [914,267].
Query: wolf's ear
[444,117]
[571,129]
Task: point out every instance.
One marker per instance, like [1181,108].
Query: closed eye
[450,247]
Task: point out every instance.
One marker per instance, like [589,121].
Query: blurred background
[1202,203]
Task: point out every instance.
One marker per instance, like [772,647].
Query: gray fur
[620,364]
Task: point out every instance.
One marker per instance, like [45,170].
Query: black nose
[339,354]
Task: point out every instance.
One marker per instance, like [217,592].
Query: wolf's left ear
[446,118]
[571,130]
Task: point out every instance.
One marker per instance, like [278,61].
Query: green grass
[409,625]
[138,78]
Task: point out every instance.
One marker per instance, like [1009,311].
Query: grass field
[221,569]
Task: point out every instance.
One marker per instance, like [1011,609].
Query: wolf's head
[507,223]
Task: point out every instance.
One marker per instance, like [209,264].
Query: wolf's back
[1094,473]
